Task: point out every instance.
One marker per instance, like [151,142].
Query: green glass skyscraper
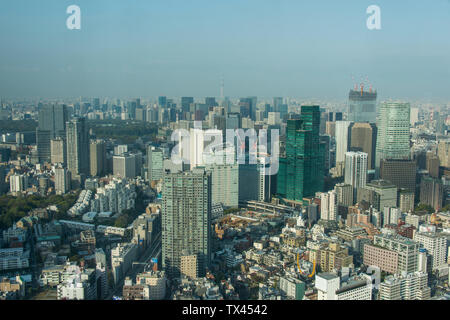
[301,172]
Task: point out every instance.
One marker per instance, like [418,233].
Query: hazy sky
[262,47]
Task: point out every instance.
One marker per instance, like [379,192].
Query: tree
[424,207]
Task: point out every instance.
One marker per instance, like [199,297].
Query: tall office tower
[401,173]
[436,246]
[362,106]
[444,153]
[432,165]
[344,194]
[77,144]
[393,133]
[62,180]
[58,150]
[186,219]
[233,121]
[162,101]
[248,107]
[277,102]
[356,170]
[381,194]
[432,192]
[338,116]
[342,139]
[52,124]
[363,137]
[140,114]
[301,172]
[124,166]
[210,102]
[224,184]
[98,158]
[414,116]
[328,206]
[186,103]
[326,140]
[273,118]
[96,103]
[155,163]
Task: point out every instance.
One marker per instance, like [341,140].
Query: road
[150,253]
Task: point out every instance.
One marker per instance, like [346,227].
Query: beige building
[189,266]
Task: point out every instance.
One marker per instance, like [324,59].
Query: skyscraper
[401,173]
[363,137]
[98,158]
[52,124]
[58,150]
[362,106]
[356,170]
[328,206]
[155,163]
[342,139]
[300,173]
[77,146]
[393,133]
[186,219]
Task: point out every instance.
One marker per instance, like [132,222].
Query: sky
[265,48]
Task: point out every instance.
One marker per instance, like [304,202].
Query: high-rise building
[401,173]
[62,180]
[356,170]
[124,166]
[98,158]
[362,106]
[186,103]
[363,137]
[77,144]
[436,246]
[51,124]
[393,133]
[155,163]
[186,219]
[344,193]
[224,184]
[300,173]
[58,150]
[432,192]
[328,206]
[382,194]
[18,183]
[444,153]
[342,139]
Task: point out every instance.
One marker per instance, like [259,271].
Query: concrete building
[225,184]
[436,246]
[124,166]
[58,150]
[401,173]
[392,254]
[62,180]
[97,150]
[405,286]
[77,143]
[186,219]
[356,170]
[327,284]
[328,206]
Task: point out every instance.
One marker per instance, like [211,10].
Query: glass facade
[301,171]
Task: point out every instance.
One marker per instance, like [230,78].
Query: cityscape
[224,196]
